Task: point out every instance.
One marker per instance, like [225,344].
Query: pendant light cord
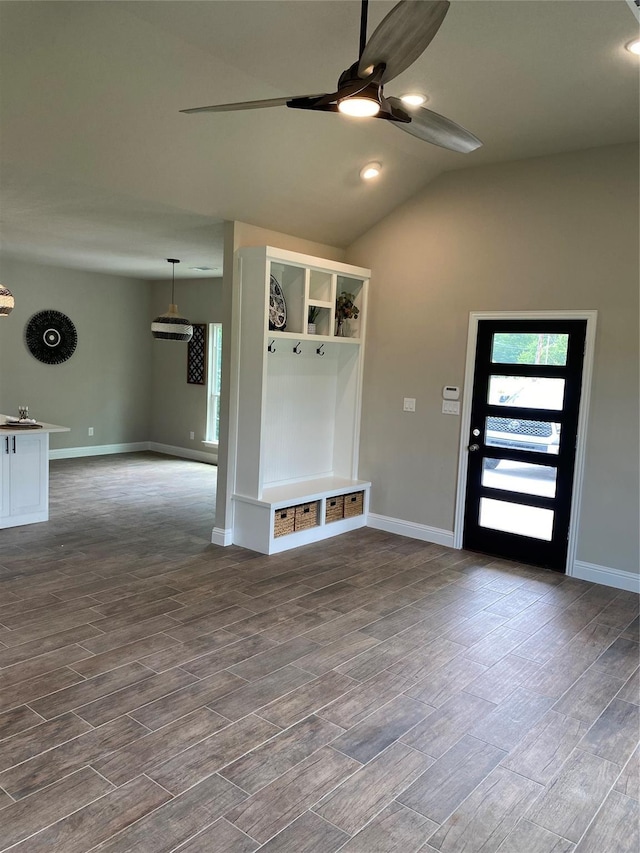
[173,262]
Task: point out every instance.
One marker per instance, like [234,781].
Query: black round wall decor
[51,337]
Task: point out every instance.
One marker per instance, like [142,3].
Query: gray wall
[557,232]
[178,408]
[105,384]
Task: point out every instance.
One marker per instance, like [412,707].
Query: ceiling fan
[395,44]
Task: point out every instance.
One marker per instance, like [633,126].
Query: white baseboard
[183,452]
[221,537]
[411,529]
[134,447]
[98,450]
[606,576]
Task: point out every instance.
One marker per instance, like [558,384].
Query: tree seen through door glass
[529,348]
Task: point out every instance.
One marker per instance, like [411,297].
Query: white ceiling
[100,170]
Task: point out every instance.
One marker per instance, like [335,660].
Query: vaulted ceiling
[100,170]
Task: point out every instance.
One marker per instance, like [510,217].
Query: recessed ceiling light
[371,170]
[202,269]
[634,47]
[413,99]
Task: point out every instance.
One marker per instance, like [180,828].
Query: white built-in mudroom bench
[298,392]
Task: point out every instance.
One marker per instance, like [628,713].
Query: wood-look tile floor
[369,694]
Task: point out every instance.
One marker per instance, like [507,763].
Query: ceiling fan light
[359,107]
[634,47]
[413,99]
[370,171]
[7,302]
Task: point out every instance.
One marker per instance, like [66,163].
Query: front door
[522,439]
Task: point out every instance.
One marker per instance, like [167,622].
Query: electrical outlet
[192,435]
[90,431]
[409,404]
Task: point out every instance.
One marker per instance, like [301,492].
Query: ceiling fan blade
[402,36]
[246,105]
[436,129]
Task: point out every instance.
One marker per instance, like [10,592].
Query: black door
[522,441]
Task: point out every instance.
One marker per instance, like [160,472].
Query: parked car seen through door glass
[524,433]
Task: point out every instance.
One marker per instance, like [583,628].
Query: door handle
[473,448]
[6,444]
[14,444]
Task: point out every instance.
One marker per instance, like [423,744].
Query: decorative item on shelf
[7,302]
[312,316]
[170,326]
[51,337]
[277,306]
[196,356]
[346,309]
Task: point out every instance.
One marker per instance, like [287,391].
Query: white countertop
[19,430]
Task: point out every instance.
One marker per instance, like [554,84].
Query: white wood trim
[133,447]
[183,452]
[465,423]
[581,443]
[606,576]
[411,529]
[322,264]
[305,491]
[222,537]
[98,450]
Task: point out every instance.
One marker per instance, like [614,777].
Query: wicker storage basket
[334,509]
[284,521]
[353,504]
[306,516]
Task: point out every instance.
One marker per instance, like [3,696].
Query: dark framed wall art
[197,356]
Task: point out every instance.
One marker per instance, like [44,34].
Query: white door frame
[465,424]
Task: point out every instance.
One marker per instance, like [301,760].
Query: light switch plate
[450,407]
[409,404]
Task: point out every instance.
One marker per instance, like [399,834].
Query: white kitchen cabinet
[297,433]
[24,475]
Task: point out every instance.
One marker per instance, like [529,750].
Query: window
[214,357]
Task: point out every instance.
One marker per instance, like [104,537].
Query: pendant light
[171,326]
[7,302]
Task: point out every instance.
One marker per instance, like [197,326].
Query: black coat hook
[271,347]
[297,349]
[320,350]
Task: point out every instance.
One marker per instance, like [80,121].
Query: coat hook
[297,349]
[320,350]
[271,346]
